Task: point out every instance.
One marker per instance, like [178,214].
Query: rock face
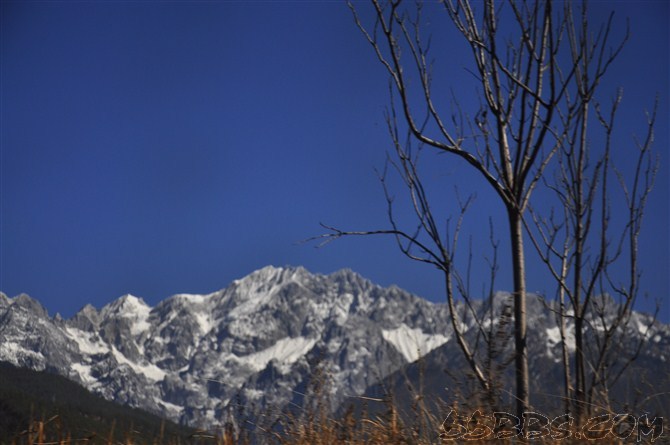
[256,343]
[193,357]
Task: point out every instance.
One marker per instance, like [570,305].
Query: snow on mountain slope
[132,308]
[190,355]
[413,343]
[256,343]
[285,352]
[87,342]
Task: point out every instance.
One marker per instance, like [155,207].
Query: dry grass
[310,428]
[310,424]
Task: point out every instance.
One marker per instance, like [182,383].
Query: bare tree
[576,243]
[580,249]
[519,59]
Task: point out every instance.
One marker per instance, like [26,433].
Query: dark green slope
[27,396]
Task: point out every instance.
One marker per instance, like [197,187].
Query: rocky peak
[29,304]
[254,343]
[126,306]
[5,301]
[87,319]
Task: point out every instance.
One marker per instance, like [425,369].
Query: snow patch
[254,394]
[643,328]
[174,409]
[210,415]
[193,298]
[340,310]
[554,335]
[84,372]
[12,352]
[204,321]
[198,306]
[253,299]
[86,341]
[132,308]
[150,371]
[137,310]
[413,343]
[554,339]
[285,352]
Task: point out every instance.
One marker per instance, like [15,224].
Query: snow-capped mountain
[442,378]
[256,343]
[193,357]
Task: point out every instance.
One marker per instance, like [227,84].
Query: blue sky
[158,148]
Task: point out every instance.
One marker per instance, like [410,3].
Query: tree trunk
[580,377]
[567,382]
[521,356]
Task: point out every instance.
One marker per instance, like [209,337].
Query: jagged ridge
[256,341]
[193,358]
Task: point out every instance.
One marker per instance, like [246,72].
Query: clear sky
[157,148]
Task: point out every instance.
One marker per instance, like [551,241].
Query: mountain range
[257,344]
